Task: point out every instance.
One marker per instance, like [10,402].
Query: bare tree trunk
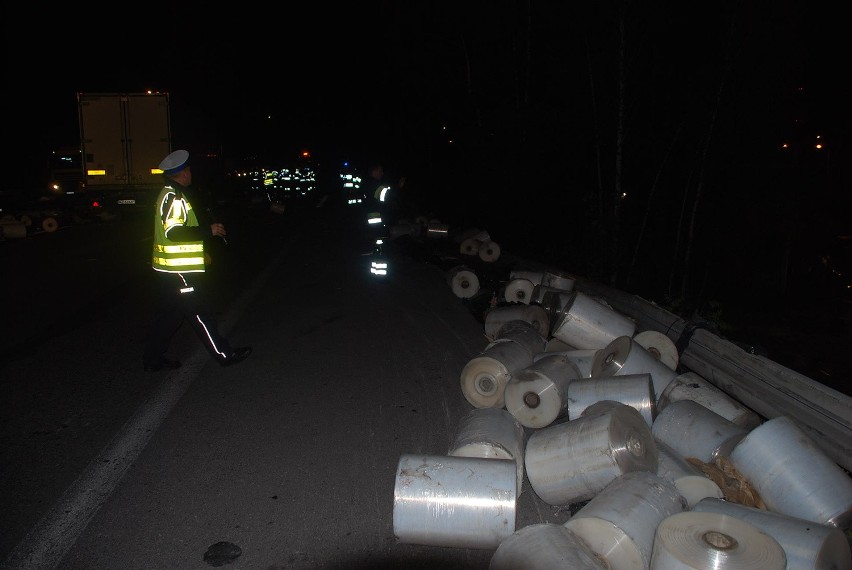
[469,83]
[619,159]
[679,233]
[648,207]
[599,166]
[529,54]
[684,286]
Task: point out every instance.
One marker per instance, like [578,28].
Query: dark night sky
[528,92]
[385,76]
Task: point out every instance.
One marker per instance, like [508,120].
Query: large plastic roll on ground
[519,291]
[484,377]
[623,356]
[583,322]
[793,476]
[691,481]
[691,386]
[463,281]
[491,433]
[489,251]
[524,333]
[553,300]
[534,276]
[498,316]
[470,246]
[660,346]
[573,461]
[807,545]
[556,345]
[538,394]
[635,390]
[464,502]
[694,431]
[545,546]
[13,230]
[437,230]
[474,232]
[692,540]
[549,297]
[49,224]
[558,280]
[582,358]
[619,523]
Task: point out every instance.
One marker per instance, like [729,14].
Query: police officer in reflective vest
[179,262]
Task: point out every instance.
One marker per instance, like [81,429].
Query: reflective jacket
[174,211]
[379,201]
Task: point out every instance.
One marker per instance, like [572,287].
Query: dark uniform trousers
[182,298]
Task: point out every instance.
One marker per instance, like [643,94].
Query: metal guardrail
[759,383]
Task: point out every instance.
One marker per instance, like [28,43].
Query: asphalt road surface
[288,459]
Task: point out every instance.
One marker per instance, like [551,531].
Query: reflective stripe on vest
[381,193]
[168,255]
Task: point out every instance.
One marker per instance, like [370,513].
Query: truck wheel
[49,224]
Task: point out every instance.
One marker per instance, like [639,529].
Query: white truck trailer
[123,138]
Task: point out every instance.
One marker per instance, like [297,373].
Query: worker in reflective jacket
[380,208]
[179,264]
[378,194]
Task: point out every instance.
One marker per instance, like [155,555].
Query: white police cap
[175,162]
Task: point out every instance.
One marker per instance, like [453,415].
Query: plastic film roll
[558,280]
[541,293]
[524,333]
[465,502]
[553,300]
[480,235]
[489,251]
[806,545]
[694,431]
[660,346]
[491,433]
[691,386]
[585,323]
[470,246]
[545,546]
[573,461]
[13,230]
[713,540]
[620,522]
[463,282]
[623,356]
[582,359]
[556,345]
[484,377]
[635,390]
[692,483]
[437,230]
[792,475]
[537,395]
[497,317]
[533,276]
[519,291]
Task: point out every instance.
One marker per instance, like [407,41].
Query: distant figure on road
[382,196]
[179,263]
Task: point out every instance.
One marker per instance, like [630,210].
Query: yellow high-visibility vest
[170,256]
